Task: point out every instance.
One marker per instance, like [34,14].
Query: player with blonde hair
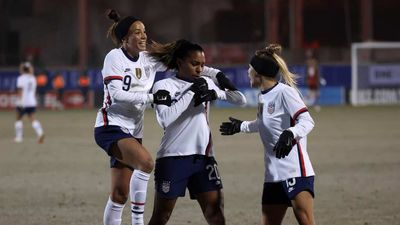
[26,102]
[283,123]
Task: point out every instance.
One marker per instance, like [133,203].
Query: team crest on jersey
[271,107]
[138,73]
[147,71]
[165,186]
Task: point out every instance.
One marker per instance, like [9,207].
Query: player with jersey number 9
[283,123]
[128,75]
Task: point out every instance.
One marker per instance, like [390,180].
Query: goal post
[375,73]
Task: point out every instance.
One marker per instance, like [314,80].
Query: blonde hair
[273,50]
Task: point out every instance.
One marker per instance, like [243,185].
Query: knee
[119,196]
[147,165]
[160,218]
[215,216]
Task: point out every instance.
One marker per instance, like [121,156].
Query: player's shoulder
[114,54]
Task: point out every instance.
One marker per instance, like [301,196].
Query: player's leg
[274,203]
[18,125]
[120,177]
[303,205]
[162,209]
[212,205]
[36,125]
[171,176]
[130,152]
[272,214]
[206,187]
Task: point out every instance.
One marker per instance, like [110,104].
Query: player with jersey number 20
[185,159]
[283,123]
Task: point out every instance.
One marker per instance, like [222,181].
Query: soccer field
[66,180]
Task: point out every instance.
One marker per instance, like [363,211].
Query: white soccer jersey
[281,108]
[127,82]
[27,84]
[186,128]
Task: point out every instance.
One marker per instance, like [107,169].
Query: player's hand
[162,97]
[205,96]
[230,128]
[284,144]
[199,85]
[225,83]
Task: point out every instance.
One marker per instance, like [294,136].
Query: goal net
[375,73]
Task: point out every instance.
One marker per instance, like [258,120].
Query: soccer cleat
[17,140]
[40,140]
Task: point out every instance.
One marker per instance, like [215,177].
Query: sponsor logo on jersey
[271,107]
[165,186]
[127,70]
[138,73]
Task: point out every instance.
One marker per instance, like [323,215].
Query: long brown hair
[169,53]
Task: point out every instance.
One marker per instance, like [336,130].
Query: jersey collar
[133,59]
[269,89]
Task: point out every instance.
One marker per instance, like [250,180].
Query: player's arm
[218,78]
[167,115]
[234,97]
[299,112]
[236,126]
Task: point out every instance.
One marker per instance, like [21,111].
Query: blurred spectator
[84,83]
[312,79]
[58,86]
[41,80]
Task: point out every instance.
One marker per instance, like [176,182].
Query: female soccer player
[186,158]
[283,122]
[128,74]
[26,103]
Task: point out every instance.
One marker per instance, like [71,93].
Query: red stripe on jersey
[110,78]
[210,143]
[301,160]
[105,119]
[293,120]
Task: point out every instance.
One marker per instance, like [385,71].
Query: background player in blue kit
[26,103]
[186,157]
[283,123]
[128,75]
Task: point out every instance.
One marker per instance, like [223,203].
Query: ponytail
[273,51]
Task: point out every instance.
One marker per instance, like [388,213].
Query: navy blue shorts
[25,110]
[197,173]
[283,192]
[107,136]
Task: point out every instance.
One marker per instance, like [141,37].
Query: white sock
[19,130]
[138,190]
[38,127]
[113,213]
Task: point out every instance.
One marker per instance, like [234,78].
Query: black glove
[284,144]
[230,128]
[205,96]
[199,85]
[162,97]
[225,83]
